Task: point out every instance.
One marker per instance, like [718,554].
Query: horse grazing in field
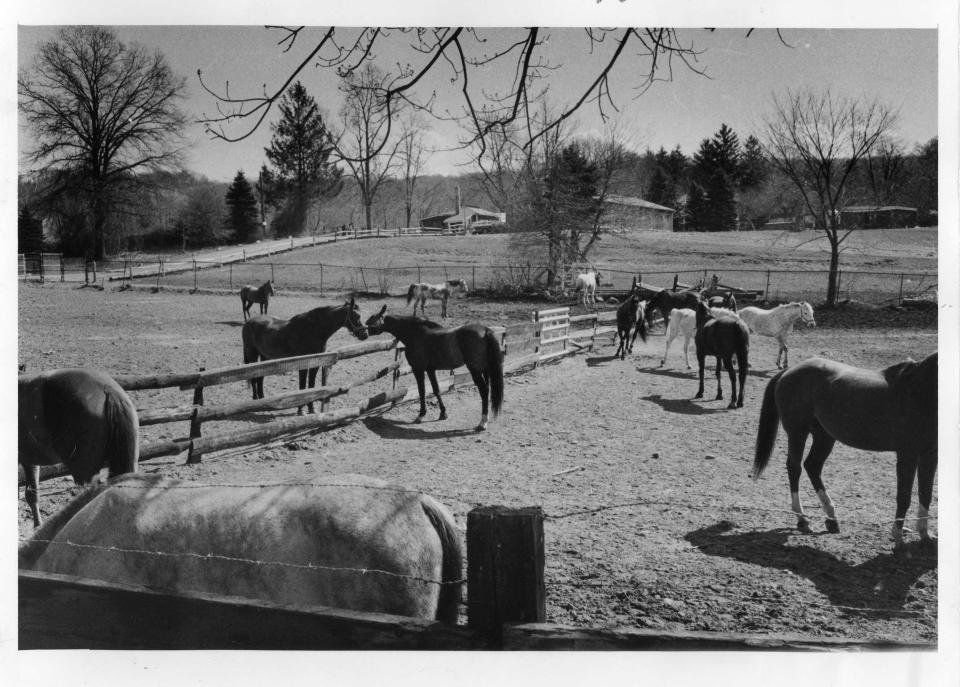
[668,301]
[894,409]
[430,347]
[256,294]
[80,418]
[778,323]
[347,541]
[266,338]
[586,284]
[722,335]
[419,293]
[630,318]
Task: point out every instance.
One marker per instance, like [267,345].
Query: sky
[741,75]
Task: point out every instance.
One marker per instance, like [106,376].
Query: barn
[477,221]
[624,213]
[878,216]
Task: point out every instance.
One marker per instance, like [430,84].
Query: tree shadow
[683,406]
[393,429]
[882,582]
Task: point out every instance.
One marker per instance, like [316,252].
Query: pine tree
[697,210]
[242,215]
[29,232]
[300,152]
[753,164]
[716,168]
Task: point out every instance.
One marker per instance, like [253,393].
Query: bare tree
[101,111]
[818,140]
[609,156]
[362,143]
[884,170]
[412,157]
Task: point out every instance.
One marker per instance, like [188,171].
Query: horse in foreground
[778,323]
[586,284]
[80,418]
[683,322]
[894,409]
[723,335]
[347,541]
[255,294]
[266,338]
[419,293]
[630,318]
[430,347]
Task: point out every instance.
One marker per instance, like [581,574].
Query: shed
[878,216]
[625,213]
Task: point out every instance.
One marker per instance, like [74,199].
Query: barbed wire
[249,561]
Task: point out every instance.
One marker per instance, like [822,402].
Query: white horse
[419,293]
[586,284]
[683,321]
[778,323]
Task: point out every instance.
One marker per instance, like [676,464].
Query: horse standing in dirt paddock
[256,294]
[586,284]
[419,293]
[80,418]
[778,323]
[724,336]
[894,409]
[630,319]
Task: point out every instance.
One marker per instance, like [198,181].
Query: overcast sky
[899,66]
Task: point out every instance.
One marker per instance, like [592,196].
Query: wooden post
[272,277]
[194,274]
[419,278]
[900,297]
[231,276]
[505,564]
[473,278]
[41,268]
[193,456]
[63,273]
[324,376]
[766,291]
[321,274]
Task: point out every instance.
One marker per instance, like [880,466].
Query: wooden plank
[64,612]
[554,327]
[522,330]
[521,346]
[519,362]
[547,637]
[543,314]
[558,354]
[583,318]
[204,413]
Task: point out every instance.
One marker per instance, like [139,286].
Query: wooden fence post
[505,564]
[324,376]
[766,291]
[194,274]
[63,272]
[473,278]
[900,296]
[321,275]
[272,277]
[194,456]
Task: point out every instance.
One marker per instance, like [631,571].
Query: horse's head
[375,322]
[703,313]
[353,322]
[268,287]
[806,314]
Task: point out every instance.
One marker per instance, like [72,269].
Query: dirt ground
[652,518]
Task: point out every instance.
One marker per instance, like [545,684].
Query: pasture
[653,520]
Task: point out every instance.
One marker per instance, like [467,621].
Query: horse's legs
[481,381]
[311,382]
[686,351]
[701,361]
[926,469]
[432,374]
[728,363]
[719,385]
[666,349]
[32,473]
[418,375]
[906,469]
[820,448]
[795,443]
[443,307]
[782,352]
[303,385]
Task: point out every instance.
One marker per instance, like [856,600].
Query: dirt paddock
[652,518]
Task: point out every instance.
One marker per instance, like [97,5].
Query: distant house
[878,216]
[790,223]
[470,220]
[623,213]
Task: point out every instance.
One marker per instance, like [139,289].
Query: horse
[430,347]
[668,301]
[684,323]
[78,417]
[725,300]
[723,336]
[347,541]
[266,338]
[586,284]
[255,294]
[419,293]
[894,409]
[630,317]
[778,323]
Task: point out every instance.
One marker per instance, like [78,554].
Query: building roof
[877,208]
[636,202]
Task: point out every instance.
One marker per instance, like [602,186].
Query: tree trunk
[833,237]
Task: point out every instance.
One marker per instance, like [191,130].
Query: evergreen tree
[242,215]
[716,168]
[697,211]
[300,152]
[753,164]
[29,232]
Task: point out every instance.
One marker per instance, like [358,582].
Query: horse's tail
[123,432]
[642,323]
[29,553]
[448,604]
[494,371]
[768,426]
[410,293]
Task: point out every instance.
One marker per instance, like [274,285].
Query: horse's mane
[414,320]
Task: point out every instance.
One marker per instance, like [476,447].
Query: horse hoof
[739,404]
[481,428]
[418,420]
[443,416]
[732,406]
[833,526]
[803,525]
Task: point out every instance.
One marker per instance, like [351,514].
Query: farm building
[878,216]
[474,220]
[625,213]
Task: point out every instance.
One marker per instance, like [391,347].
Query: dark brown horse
[667,301]
[256,294]
[722,336]
[80,418]
[430,347]
[630,318]
[267,338]
[894,409]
